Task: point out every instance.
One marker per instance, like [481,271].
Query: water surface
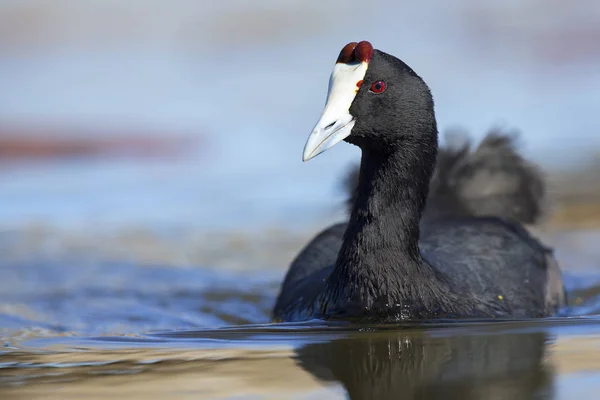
[89,326]
[154,279]
[512,360]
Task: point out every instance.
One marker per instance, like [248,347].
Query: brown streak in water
[19,144]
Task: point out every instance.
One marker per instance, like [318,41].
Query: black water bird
[459,253]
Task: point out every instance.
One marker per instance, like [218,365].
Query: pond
[86,326]
[154,278]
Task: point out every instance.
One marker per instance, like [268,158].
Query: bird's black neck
[379,269]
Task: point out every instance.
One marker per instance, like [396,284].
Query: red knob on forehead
[347,53]
[363,51]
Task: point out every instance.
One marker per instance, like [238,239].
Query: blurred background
[170,133]
[151,179]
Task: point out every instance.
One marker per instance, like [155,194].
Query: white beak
[336,123]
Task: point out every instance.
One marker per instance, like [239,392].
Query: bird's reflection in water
[404,365]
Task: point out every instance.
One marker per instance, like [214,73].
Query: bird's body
[469,290]
[390,262]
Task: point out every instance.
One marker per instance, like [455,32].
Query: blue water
[251,97]
[155,278]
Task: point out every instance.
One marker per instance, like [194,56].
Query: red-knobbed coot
[465,255]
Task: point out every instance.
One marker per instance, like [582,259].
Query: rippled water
[511,360]
[89,327]
[112,297]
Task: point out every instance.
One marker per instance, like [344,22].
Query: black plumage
[492,179]
[458,253]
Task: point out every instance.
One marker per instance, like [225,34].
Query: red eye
[378,87]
